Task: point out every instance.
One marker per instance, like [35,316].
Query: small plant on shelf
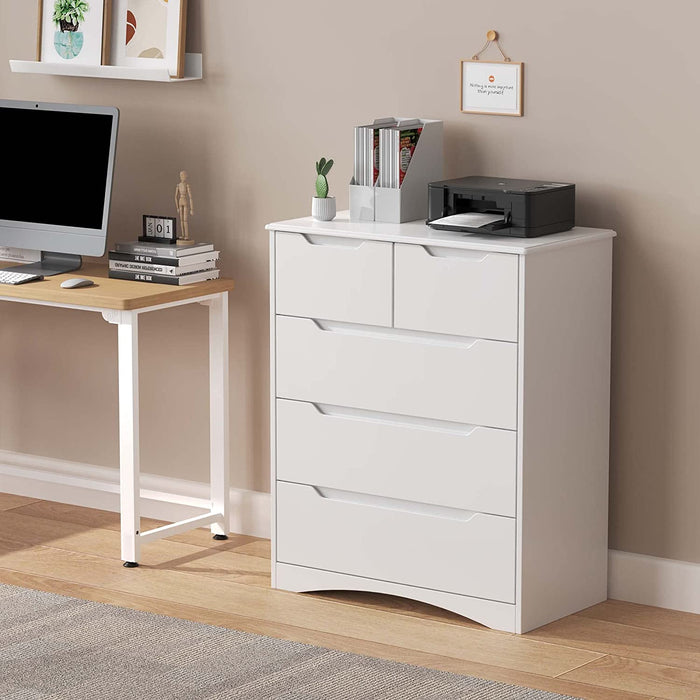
[323,167]
[323,204]
[68,14]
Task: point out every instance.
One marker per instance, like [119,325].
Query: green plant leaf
[70,11]
[327,168]
[321,187]
[321,164]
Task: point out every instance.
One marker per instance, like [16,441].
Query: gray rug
[58,648]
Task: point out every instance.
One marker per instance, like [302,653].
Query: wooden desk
[121,295]
[121,302]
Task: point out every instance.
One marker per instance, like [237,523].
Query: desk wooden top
[123,295]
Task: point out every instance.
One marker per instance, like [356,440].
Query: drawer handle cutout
[332,241]
[396,334]
[455,253]
[443,426]
[363,499]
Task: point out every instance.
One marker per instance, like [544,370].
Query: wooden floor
[614,650]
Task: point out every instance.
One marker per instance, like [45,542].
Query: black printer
[501,206]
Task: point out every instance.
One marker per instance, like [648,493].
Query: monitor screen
[57,173]
[56,183]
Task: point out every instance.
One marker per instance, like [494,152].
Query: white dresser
[440,416]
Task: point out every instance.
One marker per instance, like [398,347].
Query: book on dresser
[366,168]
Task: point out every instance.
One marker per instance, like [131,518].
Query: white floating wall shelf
[193,70]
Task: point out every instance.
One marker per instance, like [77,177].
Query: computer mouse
[76,282]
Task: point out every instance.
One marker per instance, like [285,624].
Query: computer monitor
[57,167]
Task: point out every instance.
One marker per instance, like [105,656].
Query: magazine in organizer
[409,201]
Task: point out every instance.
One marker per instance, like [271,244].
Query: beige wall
[611,104]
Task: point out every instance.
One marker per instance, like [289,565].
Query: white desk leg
[219,412]
[129,465]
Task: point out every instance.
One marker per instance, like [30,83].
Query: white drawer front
[461,380]
[442,549]
[335,278]
[443,290]
[439,463]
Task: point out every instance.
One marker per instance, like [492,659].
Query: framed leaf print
[74,31]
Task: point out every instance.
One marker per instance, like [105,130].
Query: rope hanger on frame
[491,37]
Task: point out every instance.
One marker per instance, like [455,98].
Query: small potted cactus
[323,205]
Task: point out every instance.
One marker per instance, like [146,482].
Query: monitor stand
[50,264]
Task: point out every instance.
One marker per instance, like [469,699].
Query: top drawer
[337,279]
[460,292]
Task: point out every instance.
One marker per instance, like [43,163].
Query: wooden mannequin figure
[184,206]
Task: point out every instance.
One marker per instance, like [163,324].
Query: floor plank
[8,501]
[223,561]
[481,646]
[106,520]
[668,682]
[303,635]
[622,640]
[662,619]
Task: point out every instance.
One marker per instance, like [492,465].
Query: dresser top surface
[417,232]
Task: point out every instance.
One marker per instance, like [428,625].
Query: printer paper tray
[471,222]
[490,228]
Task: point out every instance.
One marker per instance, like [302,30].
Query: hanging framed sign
[493,87]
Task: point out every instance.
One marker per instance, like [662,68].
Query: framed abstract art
[150,34]
[74,31]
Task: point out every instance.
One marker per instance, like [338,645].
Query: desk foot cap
[220,537]
[131,564]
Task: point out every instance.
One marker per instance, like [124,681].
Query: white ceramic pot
[323,208]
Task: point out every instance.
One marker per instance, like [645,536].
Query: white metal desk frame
[129,453]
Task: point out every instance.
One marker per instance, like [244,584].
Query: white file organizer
[410,201]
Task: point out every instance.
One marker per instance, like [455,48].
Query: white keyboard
[9,277]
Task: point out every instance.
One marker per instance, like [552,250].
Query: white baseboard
[665,583]
[636,578]
[162,497]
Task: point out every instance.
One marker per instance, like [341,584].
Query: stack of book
[163,263]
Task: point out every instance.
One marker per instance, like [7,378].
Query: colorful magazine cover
[407,146]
